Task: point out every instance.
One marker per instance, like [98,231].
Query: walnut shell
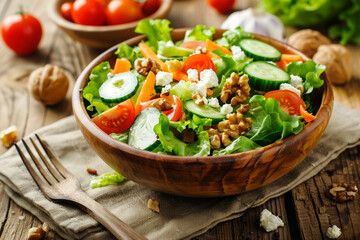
[307,41]
[48,84]
[338,61]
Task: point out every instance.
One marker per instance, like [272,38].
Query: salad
[201,96]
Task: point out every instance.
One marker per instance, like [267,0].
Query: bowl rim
[55,16]
[81,114]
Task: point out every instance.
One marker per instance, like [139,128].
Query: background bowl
[204,176]
[99,36]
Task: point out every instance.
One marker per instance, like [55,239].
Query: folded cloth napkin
[179,217]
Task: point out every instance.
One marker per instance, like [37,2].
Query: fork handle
[117,227]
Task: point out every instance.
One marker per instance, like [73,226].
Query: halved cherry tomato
[199,62]
[290,102]
[193,45]
[174,114]
[117,119]
[65,10]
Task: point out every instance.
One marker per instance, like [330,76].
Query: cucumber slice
[141,133]
[265,76]
[204,111]
[119,87]
[260,50]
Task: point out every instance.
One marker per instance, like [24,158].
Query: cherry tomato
[174,114]
[117,119]
[290,102]
[199,62]
[104,2]
[21,33]
[193,45]
[65,10]
[150,6]
[88,12]
[123,11]
[222,6]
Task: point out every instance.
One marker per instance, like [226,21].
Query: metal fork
[59,185]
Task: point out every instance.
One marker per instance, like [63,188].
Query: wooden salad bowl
[213,176]
[100,36]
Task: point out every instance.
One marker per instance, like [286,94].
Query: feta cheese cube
[163,78]
[214,102]
[295,80]
[333,232]
[198,88]
[269,221]
[286,86]
[226,109]
[8,136]
[238,54]
[209,78]
[193,74]
[166,88]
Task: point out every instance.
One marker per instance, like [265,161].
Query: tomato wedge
[199,62]
[116,119]
[193,45]
[174,114]
[290,102]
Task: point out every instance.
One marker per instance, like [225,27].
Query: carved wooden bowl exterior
[213,176]
[100,36]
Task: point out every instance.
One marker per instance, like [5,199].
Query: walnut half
[342,192]
[235,88]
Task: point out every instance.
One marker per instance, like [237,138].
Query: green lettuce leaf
[199,33]
[107,179]
[232,37]
[182,90]
[121,137]
[156,30]
[125,51]
[241,144]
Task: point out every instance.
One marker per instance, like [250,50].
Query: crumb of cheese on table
[8,136]
[333,232]
[269,221]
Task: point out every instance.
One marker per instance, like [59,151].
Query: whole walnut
[48,84]
[338,61]
[307,41]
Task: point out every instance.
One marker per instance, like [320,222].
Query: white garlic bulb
[256,21]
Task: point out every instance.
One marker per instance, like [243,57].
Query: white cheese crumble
[226,109]
[198,88]
[286,86]
[295,80]
[193,74]
[209,78]
[238,54]
[333,232]
[269,221]
[214,102]
[166,88]
[163,78]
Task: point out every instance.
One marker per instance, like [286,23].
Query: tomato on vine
[21,32]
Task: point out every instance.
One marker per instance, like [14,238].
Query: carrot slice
[121,65]
[177,75]
[308,117]
[146,91]
[287,58]
[147,52]
[211,46]
[209,92]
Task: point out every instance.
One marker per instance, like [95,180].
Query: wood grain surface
[305,210]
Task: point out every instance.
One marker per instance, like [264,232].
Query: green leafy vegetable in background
[343,16]
[107,179]
[156,30]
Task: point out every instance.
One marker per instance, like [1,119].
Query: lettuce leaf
[156,30]
[106,179]
[270,123]
[309,71]
[182,90]
[172,145]
[91,92]
[121,137]
[232,37]
[199,33]
[241,144]
[125,51]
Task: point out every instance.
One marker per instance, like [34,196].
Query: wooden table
[306,211]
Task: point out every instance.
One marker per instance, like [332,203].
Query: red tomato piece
[290,102]
[222,6]
[21,33]
[199,62]
[117,119]
[65,10]
[174,114]
[193,45]
[150,6]
[123,11]
[88,12]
